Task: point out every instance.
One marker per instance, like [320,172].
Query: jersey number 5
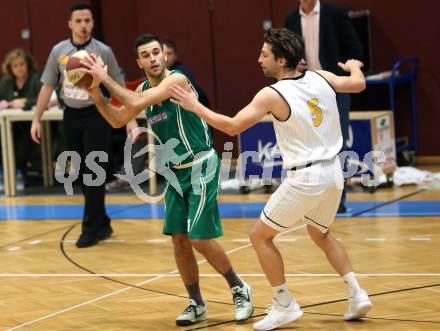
[316,111]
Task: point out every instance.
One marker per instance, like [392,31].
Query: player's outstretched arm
[133,101]
[354,83]
[159,93]
[245,118]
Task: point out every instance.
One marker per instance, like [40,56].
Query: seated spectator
[19,88]
[20,84]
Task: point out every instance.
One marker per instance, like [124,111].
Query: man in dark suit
[329,38]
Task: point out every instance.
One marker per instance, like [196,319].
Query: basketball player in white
[306,121]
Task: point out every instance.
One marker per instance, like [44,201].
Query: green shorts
[196,212]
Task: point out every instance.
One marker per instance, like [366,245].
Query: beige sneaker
[242,297]
[192,314]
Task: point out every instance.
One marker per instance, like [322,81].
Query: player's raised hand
[350,65]
[94,66]
[185,98]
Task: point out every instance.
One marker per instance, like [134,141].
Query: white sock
[282,295]
[352,283]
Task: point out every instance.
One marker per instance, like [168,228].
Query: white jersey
[313,130]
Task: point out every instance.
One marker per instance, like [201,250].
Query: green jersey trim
[201,204]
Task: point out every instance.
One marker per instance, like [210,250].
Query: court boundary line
[228,252]
[138,284]
[341,300]
[316,313]
[348,215]
[403,197]
[217,275]
[36,236]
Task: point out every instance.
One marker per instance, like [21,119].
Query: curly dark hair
[285,44]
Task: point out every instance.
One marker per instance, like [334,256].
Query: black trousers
[86,131]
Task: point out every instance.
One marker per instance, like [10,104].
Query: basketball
[75,75]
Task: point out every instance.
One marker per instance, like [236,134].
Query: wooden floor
[130,281]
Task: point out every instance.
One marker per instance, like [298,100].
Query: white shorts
[311,194]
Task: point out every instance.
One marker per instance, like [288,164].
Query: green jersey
[170,121]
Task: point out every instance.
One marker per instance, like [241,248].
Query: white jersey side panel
[313,130]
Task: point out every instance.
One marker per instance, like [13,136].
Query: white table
[18,115]
[8,116]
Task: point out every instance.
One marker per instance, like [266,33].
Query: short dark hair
[285,44]
[79,6]
[170,44]
[146,39]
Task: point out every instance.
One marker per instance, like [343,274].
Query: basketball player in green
[192,219]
